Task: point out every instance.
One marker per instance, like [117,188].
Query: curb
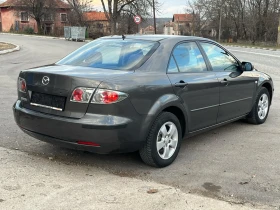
[17,48]
[261,48]
[37,36]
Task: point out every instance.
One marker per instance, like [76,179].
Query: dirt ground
[6,46]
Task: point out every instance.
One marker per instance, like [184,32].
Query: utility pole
[220,25]
[278,39]
[220,22]
[154,11]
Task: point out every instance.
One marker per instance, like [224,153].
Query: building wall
[57,19]
[58,25]
[7,19]
[94,31]
[10,16]
[168,30]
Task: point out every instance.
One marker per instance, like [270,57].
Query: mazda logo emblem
[45,80]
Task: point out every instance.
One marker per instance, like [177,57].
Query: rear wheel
[261,107]
[163,142]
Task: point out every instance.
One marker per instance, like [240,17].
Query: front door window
[220,60]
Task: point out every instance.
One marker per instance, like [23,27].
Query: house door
[47,29]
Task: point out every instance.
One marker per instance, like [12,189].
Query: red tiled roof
[7,3]
[182,17]
[59,4]
[95,16]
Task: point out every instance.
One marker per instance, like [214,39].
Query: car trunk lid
[49,88]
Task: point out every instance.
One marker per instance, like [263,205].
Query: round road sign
[137,19]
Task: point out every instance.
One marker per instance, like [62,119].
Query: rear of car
[63,103]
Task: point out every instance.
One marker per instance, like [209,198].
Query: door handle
[225,81]
[181,84]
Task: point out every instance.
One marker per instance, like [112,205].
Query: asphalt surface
[238,162]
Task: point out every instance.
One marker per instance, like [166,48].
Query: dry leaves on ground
[152,191]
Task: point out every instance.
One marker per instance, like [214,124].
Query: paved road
[238,162]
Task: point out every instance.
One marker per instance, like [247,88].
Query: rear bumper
[112,133]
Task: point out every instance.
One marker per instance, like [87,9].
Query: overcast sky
[169,7]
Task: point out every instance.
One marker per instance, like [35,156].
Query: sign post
[278,39]
[137,20]
[154,13]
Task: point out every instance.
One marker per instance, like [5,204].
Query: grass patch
[6,46]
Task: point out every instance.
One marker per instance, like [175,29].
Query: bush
[95,35]
[29,30]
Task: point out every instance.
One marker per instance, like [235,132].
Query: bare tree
[78,8]
[115,9]
[139,7]
[254,20]
[37,9]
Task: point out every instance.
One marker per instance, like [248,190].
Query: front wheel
[163,142]
[261,107]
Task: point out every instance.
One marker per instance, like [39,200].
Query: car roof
[155,37]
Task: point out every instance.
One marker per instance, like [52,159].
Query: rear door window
[172,67]
[188,58]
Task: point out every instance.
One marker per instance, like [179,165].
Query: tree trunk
[113,26]
[114,18]
[39,25]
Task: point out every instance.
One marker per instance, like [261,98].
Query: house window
[63,17]
[99,25]
[48,17]
[24,16]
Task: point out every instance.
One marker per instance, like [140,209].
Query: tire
[151,153]
[254,117]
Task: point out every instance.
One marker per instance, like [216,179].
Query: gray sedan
[140,93]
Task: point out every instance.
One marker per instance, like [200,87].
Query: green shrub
[29,30]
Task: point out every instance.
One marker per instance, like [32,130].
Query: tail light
[82,95]
[21,85]
[103,96]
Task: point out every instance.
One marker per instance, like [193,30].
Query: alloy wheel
[167,140]
[263,106]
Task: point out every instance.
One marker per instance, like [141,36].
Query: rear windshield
[115,54]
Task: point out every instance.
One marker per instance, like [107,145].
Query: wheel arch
[171,104]
[180,115]
[268,86]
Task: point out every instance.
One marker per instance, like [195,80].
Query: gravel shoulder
[44,183]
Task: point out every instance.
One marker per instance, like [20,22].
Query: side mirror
[247,66]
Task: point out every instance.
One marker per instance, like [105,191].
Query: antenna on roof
[123,37]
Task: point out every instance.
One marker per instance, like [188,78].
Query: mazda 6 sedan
[140,93]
